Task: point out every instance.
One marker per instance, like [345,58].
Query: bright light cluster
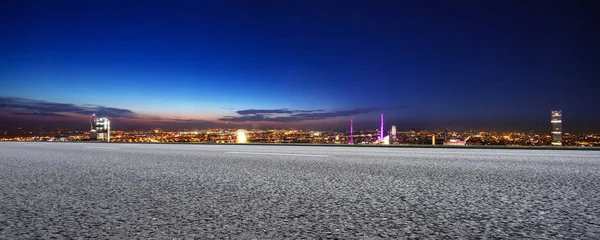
[241,136]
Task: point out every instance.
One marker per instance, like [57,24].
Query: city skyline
[460,65]
[154,123]
[296,136]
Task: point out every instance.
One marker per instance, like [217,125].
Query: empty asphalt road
[180,191]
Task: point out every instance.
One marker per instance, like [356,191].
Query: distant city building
[556,120]
[386,140]
[446,135]
[393,132]
[100,129]
[93,134]
[455,141]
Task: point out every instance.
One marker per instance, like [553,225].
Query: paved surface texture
[160,191]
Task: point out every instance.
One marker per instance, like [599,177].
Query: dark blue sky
[425,64]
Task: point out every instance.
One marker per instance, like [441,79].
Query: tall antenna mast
[381,131]
[351,132]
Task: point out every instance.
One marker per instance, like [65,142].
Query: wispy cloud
[273,111]
[275,115]
[42,114]
[28,107]
[23,106]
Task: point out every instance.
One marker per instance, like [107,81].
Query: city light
[241,136]
[403,137]
[100,130]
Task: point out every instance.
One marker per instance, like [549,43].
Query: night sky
[486,65]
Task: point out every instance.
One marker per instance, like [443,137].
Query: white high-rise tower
[556,120]
[100,129]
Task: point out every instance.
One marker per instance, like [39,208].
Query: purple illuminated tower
[381,131]
[351,132]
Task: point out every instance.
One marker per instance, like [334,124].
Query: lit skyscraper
[100,129]
[556,121]
[393,132]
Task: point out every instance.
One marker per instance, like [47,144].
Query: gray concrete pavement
[160,191]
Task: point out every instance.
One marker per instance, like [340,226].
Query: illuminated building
[381,130]
[556,120]
[393,133]
[100,129]
[456,142]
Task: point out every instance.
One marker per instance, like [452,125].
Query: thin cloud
[273,111]
[253,115]
[23,106]
[193,121]
[39,114]
[29,107]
